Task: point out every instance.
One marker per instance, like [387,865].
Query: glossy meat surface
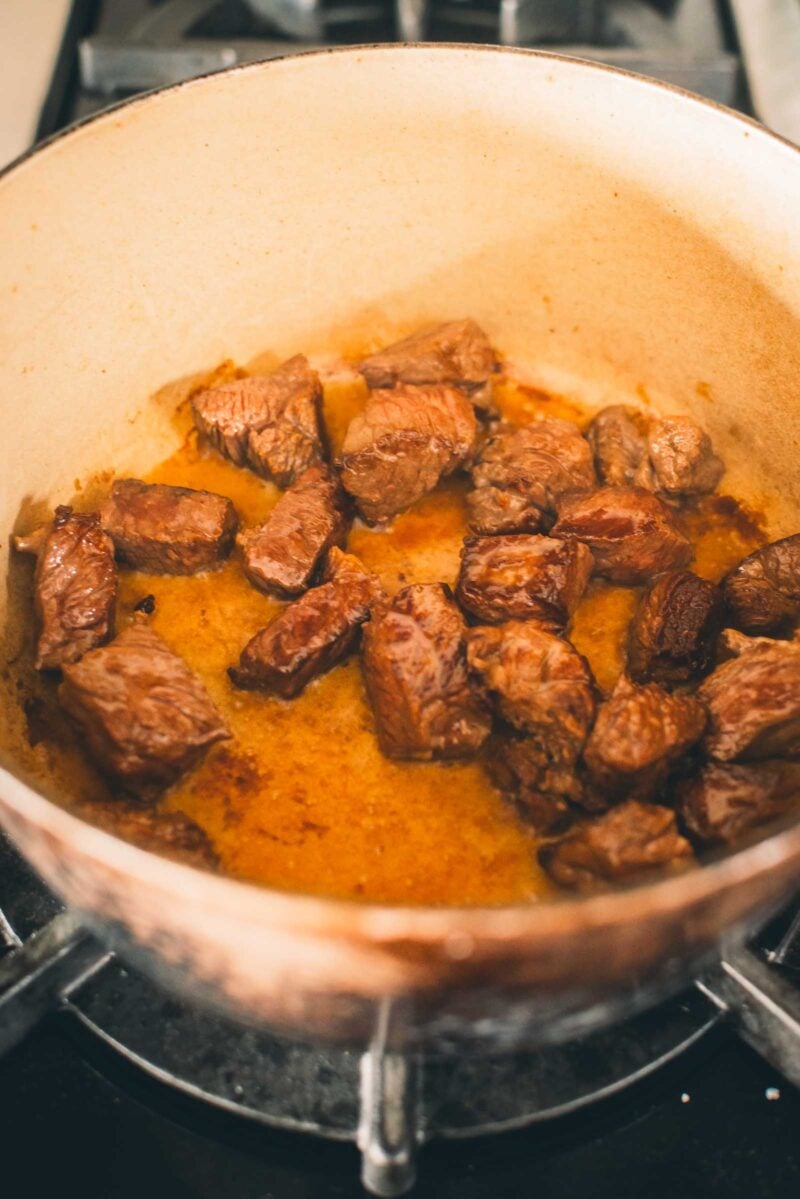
[457,352]
[168,530]
[753,700]
[673,633]
[522,577]
[762,594]
[725,801]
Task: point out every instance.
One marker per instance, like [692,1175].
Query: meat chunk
[168,530]
[522,577]
[536,465]
[492,510]
[415,671]
[621,844]
[144,716]
[618,437]
[402,444]
[723,802]
[519,766]
[631,533]
[682,457]
[458,353]
[673,632]
[281,556]
[272,423]
[169,833]
[542,687]
[754,701]
[672,454]
[312,634]
[762,594]
[639,734]
[75,587]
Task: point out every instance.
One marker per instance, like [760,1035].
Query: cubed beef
[627,841]
[762,594]
[673,632]
[272,423]
[312,634]
[492,510]
[539,463]
[415,671]
[144,716]
[639,734]
[522,577]
[618,436]
[169,833]
[75,586]
[723,802]
[458,353]
[754,700]
[682,457]
[402,444]
[631,533]
[282,555]
[168,530]
[518,766]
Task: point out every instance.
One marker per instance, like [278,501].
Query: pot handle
[37,977]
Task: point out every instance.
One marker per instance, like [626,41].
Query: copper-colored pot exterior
[615,237]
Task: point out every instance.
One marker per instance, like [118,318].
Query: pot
[616,238]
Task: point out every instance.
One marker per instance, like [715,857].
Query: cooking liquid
[301,797]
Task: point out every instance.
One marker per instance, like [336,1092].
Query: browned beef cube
[682,457]
[541,462]
[631,533]
[522,577]
[75,586]
[272,423]
[762,593]
[723,802]
[519,766]
[312,634]
[621,844]
[415,671]
[169,833]
[144,716]
[168,530]
[673,632]
[458,353]
[754,701]
[618,436]
[282,555]
[402,444]
[639,734]
[492,510]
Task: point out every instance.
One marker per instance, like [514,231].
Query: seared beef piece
[639,734]
[281,556]
[492,510]
[723,802]
[457,352]
[170,833]
[621,844]
[402,444]
[762,593]
[517,765]
[682,457]
[754,700]
[272,423]
[75,587]
[618,436]
[673,632]
[415,671]
[631,533]
[539,463]
[168,530]
[143,714]
[522,577]
[312,634]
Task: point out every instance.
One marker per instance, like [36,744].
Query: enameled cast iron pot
[616,238]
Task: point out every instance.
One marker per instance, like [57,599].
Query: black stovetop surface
[76,1120]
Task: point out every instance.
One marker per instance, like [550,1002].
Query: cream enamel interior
[616,240]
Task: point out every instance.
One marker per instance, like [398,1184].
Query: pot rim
[261,904]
